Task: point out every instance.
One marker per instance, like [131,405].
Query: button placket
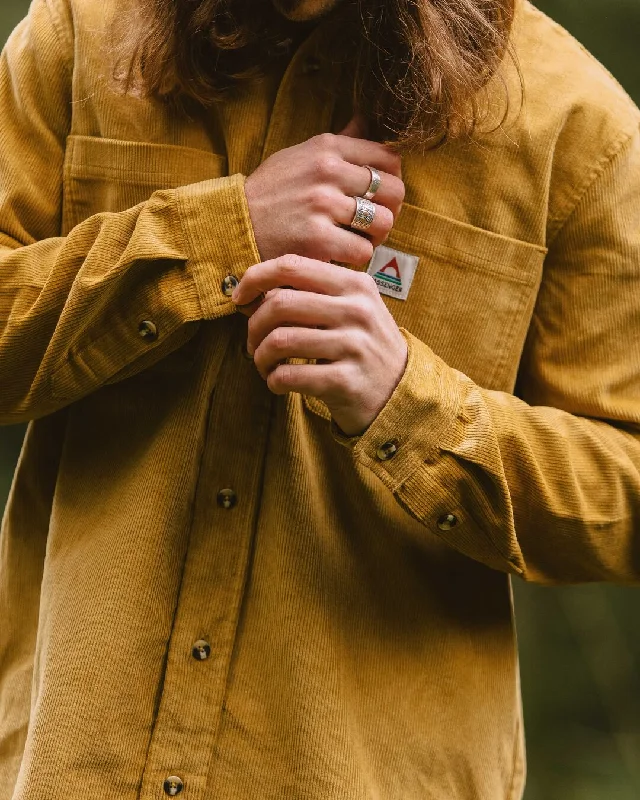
[213,578]
[313,100]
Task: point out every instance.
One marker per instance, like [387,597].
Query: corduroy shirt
[204,589]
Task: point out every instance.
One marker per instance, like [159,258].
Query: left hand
[332,314]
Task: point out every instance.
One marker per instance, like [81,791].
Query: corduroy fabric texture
[361,645]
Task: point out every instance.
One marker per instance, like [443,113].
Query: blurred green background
[580,649]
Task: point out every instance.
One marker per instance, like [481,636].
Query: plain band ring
[374,184]
[365,214]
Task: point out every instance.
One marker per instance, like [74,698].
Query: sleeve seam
[65,43]
[607,160]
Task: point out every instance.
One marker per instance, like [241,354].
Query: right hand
[301,198]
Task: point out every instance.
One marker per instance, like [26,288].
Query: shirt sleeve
[71,307]
[545,484]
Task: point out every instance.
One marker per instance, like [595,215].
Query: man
[272,559]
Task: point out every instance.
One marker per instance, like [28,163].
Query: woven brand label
[393,271]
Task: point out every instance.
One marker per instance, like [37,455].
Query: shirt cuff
[411,447]
[219,238]
[422,416]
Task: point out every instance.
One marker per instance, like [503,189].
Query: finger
[305,274]
[289,342]
[289,307]
[312,379]
[355,180]
[378,230]
[357,127]
[362,152]
[348,247]
[248,308]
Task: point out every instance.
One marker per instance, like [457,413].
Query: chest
[474,277]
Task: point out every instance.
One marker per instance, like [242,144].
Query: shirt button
[447,522]
[148,330]
[229,283]
[387,450]
[201,650]
[311,65]
[173,785]
[227,498]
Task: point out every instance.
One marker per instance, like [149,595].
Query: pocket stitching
[80,169]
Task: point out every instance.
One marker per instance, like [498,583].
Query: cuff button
[387,450]
[229,283]
[447,522]
[173,785]
[147,330]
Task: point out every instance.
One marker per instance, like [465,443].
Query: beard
[304,10]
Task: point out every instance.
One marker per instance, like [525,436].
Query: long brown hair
[419,65]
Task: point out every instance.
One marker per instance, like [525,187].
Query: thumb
[356,128]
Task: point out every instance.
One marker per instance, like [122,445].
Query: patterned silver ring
[374,185]
[365,214]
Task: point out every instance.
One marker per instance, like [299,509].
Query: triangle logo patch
[393,271]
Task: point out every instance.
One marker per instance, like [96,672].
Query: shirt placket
[213,578]
[217,564]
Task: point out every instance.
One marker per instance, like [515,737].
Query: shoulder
[84,22]
[575,115]
[561,76]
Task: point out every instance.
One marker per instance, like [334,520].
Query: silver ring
[365,214]
[375,183]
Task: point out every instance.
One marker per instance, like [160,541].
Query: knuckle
[355,342]
[280,339]
[279,379]
[367,284]
[345,381]
[324,167]
[323,199]
[282,300]
[325,141]
[290,266]
[360,312]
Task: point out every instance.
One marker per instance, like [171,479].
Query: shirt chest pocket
[109,175]
[471,298]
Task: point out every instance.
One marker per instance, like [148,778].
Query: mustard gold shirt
[204,589]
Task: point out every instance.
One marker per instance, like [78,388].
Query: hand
[332,314]
[301,198]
